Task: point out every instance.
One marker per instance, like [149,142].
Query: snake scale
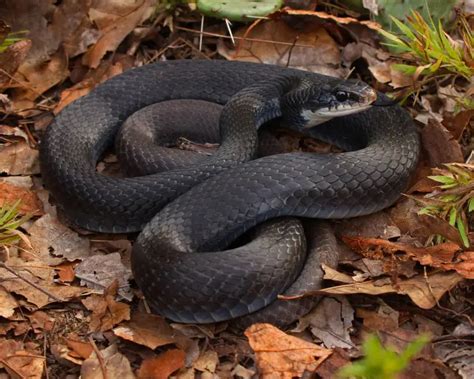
[187,216]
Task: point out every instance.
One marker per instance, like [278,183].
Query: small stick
[208,34]
[99,357]
[31,283]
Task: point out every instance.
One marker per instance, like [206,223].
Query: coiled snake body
[205,207]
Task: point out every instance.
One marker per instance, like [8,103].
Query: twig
[208,34]
[290,51]
[228,24]
[201,31]
[45,344]
[31,283]
[100,358]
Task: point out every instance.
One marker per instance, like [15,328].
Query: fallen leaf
[162,366]
[80,348]
[65,272]
[338,358]
[105,71]
[457,123]
[19,159]
[29,202]
[207,362]
[113,365]
[7,304]
[10,60]
[151,331]
[38,78]
[279,355]
[99,271]
[440,145]
[55,243]
[330,321]
[33,295]
[424,292]
[71,23]
[106,312]
[448,256]
[115,20]
[17,360]
[41,321]
[312,50]
[384,318]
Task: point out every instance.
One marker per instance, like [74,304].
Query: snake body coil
[219,199]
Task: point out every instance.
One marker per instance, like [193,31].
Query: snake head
[316,103]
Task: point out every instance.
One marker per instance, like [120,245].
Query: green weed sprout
[380,362]
[11,39]
[430,48]
[10,221]
[454,198]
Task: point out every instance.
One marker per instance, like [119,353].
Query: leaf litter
[70,291]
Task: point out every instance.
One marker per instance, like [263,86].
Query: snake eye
[342,96]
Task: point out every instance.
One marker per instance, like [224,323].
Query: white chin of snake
[322,115]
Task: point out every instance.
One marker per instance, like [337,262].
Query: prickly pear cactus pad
[238,10]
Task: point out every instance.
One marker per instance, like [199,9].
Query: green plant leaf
[470,205]
[453,213]
[462,230]
[443,179]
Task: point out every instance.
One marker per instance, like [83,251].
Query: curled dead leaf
[106,312]
[163,365]
[29,202]
[110,364]
[446,256]
[279,355]
[150,330]
[312,50]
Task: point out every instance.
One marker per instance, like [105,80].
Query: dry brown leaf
[457,123]
[331,322]
[162,366]
[326,16]
[446,256]
[112,363]
[115,19]
[440,145]
[13,284]
[54,243]
[74,28]
[25,363]
[279,355]
[7,304]
[41,321]
[38,78]
[424,292]
[10,60]
[151,331]
[313,50]
[207,362]
[65,272]
[99,271]
[29,202]
[338,358]
[19,159]
[106,312]
[18,359]
[105,71]
[79,349]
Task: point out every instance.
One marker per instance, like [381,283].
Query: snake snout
[341,98]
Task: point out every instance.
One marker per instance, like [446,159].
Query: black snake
[207,206]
